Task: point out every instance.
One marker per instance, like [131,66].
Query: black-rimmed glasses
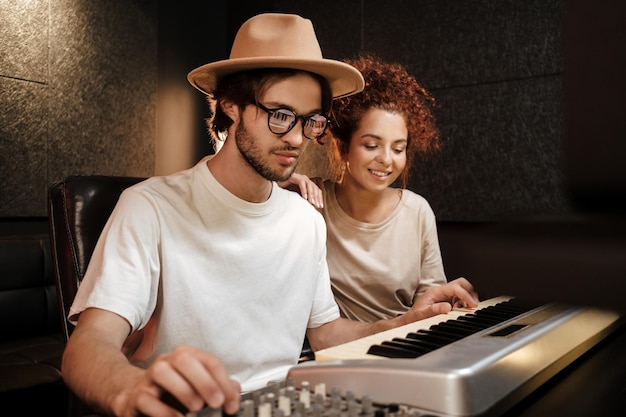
[282,120]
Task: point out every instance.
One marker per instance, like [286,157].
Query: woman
[383,249]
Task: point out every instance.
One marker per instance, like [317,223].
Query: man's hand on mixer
[186,379]
[442,299]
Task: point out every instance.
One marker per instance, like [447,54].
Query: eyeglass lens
[282,121]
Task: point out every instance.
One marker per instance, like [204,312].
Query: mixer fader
[286,400]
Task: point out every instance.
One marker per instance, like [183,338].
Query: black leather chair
[78,208]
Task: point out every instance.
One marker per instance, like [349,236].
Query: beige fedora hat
[274,40]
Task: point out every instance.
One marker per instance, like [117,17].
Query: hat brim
[344,79]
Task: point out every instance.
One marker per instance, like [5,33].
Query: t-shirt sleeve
[123,273]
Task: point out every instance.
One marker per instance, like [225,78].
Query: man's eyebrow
[278,105]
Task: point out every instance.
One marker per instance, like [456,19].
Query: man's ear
[230,109]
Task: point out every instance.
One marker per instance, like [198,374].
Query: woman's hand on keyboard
[442,299]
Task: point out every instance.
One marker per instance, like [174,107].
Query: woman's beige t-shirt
[377,270]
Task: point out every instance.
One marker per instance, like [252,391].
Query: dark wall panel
[338,24]
[24,40]
[496,68]
[23,107]
[78,83]
[23,140]
[102,88]
[502,153]
[455,42]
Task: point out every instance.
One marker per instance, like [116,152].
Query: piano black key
[453,335]
[390,351]
[517,305]
[416,349]
[417,345]
[437,337]
[502,315]
[482,321]
[495,314]
[466,324]
[454,328]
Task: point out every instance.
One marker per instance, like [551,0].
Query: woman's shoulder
[413,196]
[326,185]
[321,182]
[414,200]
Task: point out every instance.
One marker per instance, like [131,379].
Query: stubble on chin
[254,157]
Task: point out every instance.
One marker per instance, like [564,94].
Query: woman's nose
[384,156]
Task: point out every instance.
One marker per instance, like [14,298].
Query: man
[204,282]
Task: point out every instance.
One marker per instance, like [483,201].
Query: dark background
[528,188]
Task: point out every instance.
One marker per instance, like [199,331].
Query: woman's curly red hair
[388,86]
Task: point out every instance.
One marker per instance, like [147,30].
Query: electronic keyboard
[484,369]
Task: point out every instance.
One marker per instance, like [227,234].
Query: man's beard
[247,146]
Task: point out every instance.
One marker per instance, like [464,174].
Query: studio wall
[82,85]
[496,68]
[78,82]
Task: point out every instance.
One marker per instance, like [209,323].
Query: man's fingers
[222,391]
[231,403]
[174,374]
[193,378]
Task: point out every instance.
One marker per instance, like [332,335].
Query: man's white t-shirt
[190,263]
